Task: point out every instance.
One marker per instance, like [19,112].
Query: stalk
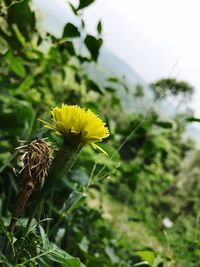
[37,158]
[62,163]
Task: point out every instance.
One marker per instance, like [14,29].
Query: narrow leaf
[91,85]
[74,201]
[99,27]
[84,3]
[193,119]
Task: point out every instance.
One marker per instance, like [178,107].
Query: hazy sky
[157,38]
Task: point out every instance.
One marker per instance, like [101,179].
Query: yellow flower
[78,125]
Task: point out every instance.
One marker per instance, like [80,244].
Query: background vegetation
[137,207]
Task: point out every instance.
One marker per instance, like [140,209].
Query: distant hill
[109,65]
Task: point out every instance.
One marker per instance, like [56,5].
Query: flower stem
[62,163]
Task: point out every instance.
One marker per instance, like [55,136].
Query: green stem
[62,163]
[50,211]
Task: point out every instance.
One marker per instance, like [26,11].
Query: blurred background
[136,64]
[145,41]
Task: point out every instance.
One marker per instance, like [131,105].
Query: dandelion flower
[78,125]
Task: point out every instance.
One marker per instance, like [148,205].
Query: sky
[157,38]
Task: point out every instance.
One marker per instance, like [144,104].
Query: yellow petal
[99,148]
[47,125]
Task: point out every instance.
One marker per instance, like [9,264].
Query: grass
[135,234]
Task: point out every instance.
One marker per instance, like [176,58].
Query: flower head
[78,125]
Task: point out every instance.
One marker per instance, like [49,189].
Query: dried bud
[37,157]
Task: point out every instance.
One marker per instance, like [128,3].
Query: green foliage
[99,27]
[84,3]
[91,85]
[93,44]
[70,31]
[193,119]
[139,90]
[148,171]
[173,87]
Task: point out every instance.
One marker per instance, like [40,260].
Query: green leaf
[70,31]
[91,85]
[72,263]
[74,201]
[23,16]
[115,101]
[113,80]
[193,119]
[70,48]
[110,89]
[139,91]
[158,261]
[164,124]
[80,177]
[17,118]
[99,27]
[93,45]
[126,88]
[56,254]
[111,254]
[141,264]
[16,64]
[83,59]
[43,235]
[73,8]
[19,35]
[84,244]
[24,86]
[77,78]
[84,3]
[148,256]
